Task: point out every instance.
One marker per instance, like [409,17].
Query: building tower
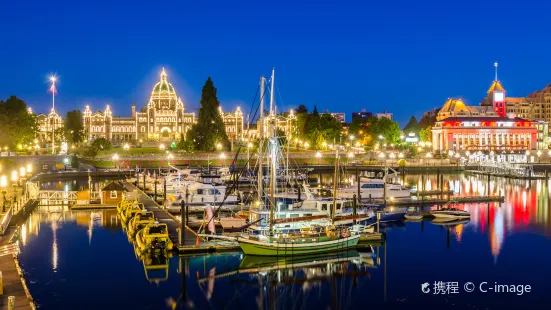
[496,95]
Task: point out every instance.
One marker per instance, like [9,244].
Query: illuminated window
[113,194]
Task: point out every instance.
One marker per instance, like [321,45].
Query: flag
[52,89]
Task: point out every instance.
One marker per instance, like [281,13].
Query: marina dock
[190,244]
[439,201]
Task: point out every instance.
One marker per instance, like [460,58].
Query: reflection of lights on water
[524,199]
[24,234]
[54,246]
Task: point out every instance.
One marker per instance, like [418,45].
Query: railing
[48,198]
[6,220]
[506,169]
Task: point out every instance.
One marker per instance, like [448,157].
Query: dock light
[162,146]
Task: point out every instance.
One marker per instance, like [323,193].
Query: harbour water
[83,260]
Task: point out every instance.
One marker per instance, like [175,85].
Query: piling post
[438,177]
[354,208]
[378,221]
[155,196]
[144,180]
[423,183]
[164,190]
[299,193]
[187,206]
[441,187]
[182,223]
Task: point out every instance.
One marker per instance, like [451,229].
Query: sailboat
[304,243]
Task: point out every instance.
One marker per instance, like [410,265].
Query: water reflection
[284,283]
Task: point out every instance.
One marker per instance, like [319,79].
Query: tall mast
[273,150]
[334,208]
[260,177]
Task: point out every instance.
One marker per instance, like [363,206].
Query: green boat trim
[304,247]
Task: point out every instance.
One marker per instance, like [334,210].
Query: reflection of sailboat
[254,263]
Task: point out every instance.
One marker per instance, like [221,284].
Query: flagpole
[53,80]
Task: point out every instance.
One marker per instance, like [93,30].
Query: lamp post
[3,185]
[169,157]
[223,158]
[539,156]
[318,156]
[126,147]
[14,178]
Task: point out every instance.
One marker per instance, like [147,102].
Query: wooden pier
[190,244]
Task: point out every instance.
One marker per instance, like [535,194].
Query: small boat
[130,212]
[140,221]
[449,221]
[413,214]
[154,238]
[450,213]
[287,245]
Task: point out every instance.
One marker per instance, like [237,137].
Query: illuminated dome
[163,89]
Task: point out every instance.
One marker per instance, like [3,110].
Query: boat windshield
[157,230]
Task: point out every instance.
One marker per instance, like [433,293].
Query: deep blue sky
[403,56]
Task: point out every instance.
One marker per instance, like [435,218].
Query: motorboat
[375,189]
[154,238]
[139,221]
[450,213]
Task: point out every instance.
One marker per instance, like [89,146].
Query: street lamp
[318,156]
[3,185]
[218,146]
[126,147]
[115,158]
[306,145]
[324,144]
[400,155]
[14,178]
[162,147]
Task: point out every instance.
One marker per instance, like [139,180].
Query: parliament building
[163,118]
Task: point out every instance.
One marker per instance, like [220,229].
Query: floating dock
[190,244]
[436,201]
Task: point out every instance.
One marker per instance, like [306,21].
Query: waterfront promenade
[13,283]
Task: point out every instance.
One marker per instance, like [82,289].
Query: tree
[17,125]
[302,109]
[74,161]
[425,134]
[101,144]
[390,130]
[91,152]
[74,127]
[322,128]
[209,129]
[185,145]
[412,126]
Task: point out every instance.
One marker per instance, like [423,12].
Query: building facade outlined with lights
[163,118]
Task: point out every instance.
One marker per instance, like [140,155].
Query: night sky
[344,56]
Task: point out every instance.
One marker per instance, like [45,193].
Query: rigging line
[236,182]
